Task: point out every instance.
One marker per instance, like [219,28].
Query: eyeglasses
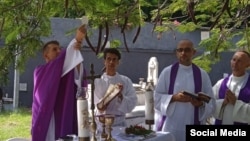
[184,49]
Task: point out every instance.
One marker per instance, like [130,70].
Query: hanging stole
[197,84]
[244,95]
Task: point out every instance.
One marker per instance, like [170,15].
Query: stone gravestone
[153,70]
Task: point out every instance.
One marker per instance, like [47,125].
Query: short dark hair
[45,46]
[247,53]
[113,51]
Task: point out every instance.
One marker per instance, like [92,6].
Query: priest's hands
[80,35]
[229,98]
[120,96]
[180,97]
[196,102]
[103,109]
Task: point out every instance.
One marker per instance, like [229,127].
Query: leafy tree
[224,19]
[24,22]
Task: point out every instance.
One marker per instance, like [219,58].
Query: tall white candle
[83,118]
[149,105]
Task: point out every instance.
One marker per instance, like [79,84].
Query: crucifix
[92,78]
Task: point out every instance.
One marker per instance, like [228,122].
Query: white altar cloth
[159,136]
[118,134]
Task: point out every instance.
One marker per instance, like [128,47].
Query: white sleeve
[209,109]
[78,76]
[129,97]
[241,112]
[72,59]
[216,87]
[161,97]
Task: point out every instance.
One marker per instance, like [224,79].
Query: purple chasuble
[53,93]
[198,83]
[244,95]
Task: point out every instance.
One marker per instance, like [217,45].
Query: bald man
[232,93]
[173,109]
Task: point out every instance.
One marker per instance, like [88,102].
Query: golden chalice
[102,120]
[109,120]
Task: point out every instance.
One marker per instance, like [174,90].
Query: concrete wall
[133,63]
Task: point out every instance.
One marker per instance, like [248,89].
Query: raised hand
[80,35]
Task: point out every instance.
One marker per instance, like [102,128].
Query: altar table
[159,136]
[118,133]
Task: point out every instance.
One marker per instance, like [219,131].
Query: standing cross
[92,77]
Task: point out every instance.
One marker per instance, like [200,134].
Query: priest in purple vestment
[54,95]
[173,109]
[232,93]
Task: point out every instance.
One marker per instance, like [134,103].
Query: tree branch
[222,11]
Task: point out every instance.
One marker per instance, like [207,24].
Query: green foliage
[188,27]
[204,61]
[23,23]
[244,42]
[223,19]
[113,44]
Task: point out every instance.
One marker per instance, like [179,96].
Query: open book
[200,96]
[112,91]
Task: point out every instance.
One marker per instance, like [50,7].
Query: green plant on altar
[137,130]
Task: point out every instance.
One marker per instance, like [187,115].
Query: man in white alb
[173,109]
[232,93]
[126,100]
